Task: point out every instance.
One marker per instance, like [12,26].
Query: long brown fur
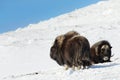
[56,52]
[71,49]
[77,52]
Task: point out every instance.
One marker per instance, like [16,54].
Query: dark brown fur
[56,49]
[100,50]
[76,52]
[71,49]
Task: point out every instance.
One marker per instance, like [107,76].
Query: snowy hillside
[24,53]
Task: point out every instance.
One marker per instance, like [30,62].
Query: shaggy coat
[56,52]
[101,52]
[71,49]
[76,52]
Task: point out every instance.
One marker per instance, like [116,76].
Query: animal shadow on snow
[104,65]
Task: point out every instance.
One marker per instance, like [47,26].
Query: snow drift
[24,53]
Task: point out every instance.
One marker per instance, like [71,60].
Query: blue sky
[20,13]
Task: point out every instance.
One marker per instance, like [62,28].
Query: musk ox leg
[86,64]
[79,67]
[66,67]
[78,64]
[76,68]
[73,67]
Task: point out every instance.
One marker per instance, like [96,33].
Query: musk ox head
[105,52]
[55,51]
[101,52]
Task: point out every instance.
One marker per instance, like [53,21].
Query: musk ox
[71,49]
[101,52]
[56,50]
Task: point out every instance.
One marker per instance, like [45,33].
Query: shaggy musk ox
[71,49]
[56,50]
[101,52]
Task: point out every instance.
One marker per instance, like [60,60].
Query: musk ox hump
[60,39]
[72,33]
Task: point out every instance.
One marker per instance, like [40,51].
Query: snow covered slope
[24,53]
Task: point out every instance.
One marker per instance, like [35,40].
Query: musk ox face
[55,54]
[55,51]
[101,52]
[105,52]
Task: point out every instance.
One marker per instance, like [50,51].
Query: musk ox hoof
[73,67]
[79,67]
[66,67]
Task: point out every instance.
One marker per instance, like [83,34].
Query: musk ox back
[101,52]
[56,52]
[76,52]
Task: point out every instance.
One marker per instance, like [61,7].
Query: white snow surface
[24,53]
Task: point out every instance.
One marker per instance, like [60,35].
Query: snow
[24,53]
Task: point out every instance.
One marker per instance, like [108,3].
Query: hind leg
[67,65]
[86,64]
